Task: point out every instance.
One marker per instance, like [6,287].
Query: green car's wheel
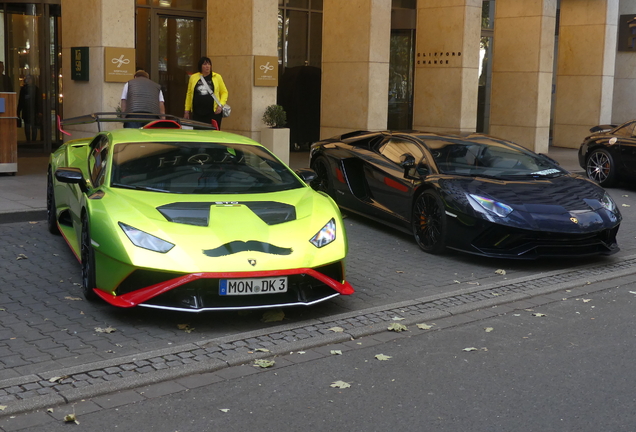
[323,182]
[88,261]
[601,168]
[429,222]
[50,206]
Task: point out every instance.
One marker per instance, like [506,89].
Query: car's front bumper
[197,292]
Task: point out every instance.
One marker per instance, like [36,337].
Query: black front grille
[506,242]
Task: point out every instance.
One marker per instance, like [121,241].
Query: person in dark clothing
[199,104]
[30,108]
[141,95]
[5,82]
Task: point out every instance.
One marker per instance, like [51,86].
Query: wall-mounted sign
[119,64]
[627,33]
[265,71]
[437,58]
[79,64]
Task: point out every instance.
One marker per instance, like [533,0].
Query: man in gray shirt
[141,95]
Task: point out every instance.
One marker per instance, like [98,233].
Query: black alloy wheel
[601,168]
[51,220]
[323,182]
[429,222]
[88,261]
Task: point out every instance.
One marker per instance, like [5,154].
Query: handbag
[226,109]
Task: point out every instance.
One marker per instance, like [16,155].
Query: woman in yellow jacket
[199,103]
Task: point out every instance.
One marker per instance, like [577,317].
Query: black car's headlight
[608,203]
[326,235]
[144,240]
[490,206]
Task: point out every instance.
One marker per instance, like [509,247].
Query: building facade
[539,72]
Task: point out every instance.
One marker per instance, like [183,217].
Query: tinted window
[199,168]
[487,157]
[394,148]
[98,160]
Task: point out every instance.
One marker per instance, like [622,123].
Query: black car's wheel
[88,261]
[429,222]
[323,181]
[601,168]
[50,206]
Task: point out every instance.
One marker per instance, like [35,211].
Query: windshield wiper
[143,188]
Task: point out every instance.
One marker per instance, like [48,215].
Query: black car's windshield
[199,168]
[489,158]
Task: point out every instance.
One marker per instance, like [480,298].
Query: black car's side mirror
[308,175]
[407,162]
[71,176]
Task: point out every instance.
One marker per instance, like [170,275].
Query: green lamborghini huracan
[194,220]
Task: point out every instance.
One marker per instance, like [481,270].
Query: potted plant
[276,137]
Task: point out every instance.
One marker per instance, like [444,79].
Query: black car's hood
[568,193]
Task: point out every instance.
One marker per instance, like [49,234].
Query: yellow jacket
[220,91]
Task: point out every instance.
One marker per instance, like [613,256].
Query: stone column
[585,71]
[355,65]
[95,24]
[446,65]
[523,61]
[237,31]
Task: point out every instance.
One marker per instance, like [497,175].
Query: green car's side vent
[193,213]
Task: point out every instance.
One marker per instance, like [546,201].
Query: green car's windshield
[489,158]
[199,168]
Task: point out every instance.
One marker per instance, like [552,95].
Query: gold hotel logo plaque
[119,64]
[265,71]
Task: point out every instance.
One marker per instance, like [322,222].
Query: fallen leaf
[73,298]
[340,384]
[424,326]
[625,196]
[273,316]
[185,327]
[21,257]
[587,300]
[399,271]
[336,352]
[500,272]
[69,418]
[470,349]
[382,357]
[488,329]
[264,363]
[625,205]
[632,292]
[397,327]
[537,314]
[456,281]
[224,409]
[105,330]
[336,329]
[396,318]
[33,223]
[3,407]
[262,349]
[50,410]
[473,283]
[58,378]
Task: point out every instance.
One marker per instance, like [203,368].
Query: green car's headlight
[608,203]
[500,209]
[145,240]
[326,235]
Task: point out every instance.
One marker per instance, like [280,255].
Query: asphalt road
[563,366]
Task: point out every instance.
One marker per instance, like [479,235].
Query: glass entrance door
[169,48]
[179,50]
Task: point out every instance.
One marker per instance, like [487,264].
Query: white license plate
[252,286]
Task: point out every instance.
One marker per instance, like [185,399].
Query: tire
[601,168]
[429,222]
[88,261]
[51,220]
[323,181]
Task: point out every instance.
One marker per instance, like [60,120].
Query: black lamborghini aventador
[472,193]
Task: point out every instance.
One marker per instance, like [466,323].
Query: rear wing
[602,128]
[162,121]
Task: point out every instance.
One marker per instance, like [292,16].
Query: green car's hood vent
[198,213]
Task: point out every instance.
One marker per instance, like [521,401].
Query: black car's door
[391,188]
[626,141]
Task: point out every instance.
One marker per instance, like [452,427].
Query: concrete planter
[277,141]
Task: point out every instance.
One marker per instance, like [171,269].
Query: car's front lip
[140,296]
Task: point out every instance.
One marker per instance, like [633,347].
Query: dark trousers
[208,118]
[31,131]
